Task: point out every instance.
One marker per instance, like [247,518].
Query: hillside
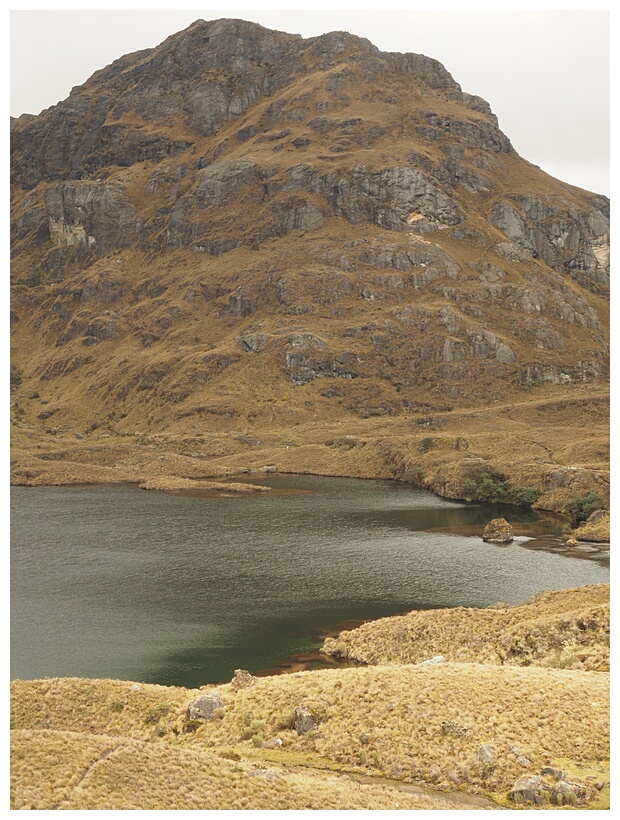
[417,301]
[407,735]
[565,629]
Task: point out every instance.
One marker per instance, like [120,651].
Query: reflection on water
[117,582]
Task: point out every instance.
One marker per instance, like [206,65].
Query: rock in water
[498,531]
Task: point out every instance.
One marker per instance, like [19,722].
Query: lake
[117,582]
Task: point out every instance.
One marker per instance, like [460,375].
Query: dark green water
[116,582]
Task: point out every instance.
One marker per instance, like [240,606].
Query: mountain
[249,250]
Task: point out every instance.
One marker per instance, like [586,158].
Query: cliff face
[335,218]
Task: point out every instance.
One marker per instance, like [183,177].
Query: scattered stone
[558,774]
[272,743]
[204,707]
[486,754]
[241,679]
[435,660]
[498,531]
[523,761]
[449,727]
[269,774]
[135,687]
[304,720]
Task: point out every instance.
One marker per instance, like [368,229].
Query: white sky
[546,74]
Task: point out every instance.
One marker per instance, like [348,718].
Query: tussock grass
[77,771]
[597,531]
[558,628]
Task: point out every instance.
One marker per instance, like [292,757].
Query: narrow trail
[456,799]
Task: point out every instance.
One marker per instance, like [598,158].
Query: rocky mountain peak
[345,221]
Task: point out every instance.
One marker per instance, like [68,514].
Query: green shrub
[117,705]
[426,444]
[285,720]
[526,496]
[580,509]
[258,740]
[16,378]
[484,483]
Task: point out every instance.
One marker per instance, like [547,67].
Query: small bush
[155,713]
[16,378]
[426,444]
[257,740]
[526,496]
[484,483]
[584,507]
[286,719]
[117,705]
[191,726]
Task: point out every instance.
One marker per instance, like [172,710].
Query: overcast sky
[546,74]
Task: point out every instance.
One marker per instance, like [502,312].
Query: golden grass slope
[99,772]
[101,744]
[562,629]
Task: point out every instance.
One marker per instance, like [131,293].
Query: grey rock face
[89,215]
[254,342]
[205,706]
[563,237]
[219,181]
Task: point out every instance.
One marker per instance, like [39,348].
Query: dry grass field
[405,735]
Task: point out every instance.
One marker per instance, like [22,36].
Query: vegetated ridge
[441,735]
[243,250]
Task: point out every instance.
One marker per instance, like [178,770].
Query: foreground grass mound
[99,772]
[341,738]
[561,629]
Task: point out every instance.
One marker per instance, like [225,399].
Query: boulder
[498,531]
[204,707]
[304,720]
[242,679]
[530,789]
